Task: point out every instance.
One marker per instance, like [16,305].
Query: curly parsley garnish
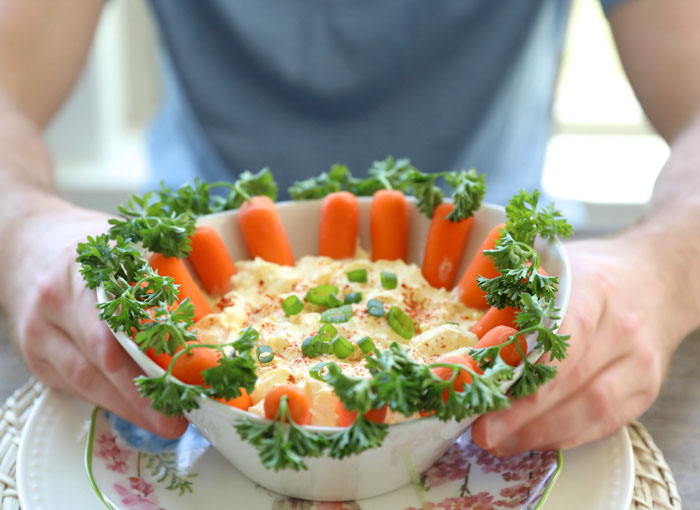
[145,305]
[520,284]
[468,187]
[225,380]
[163,221]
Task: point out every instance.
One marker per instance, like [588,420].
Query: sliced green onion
[292,305]
[316,370]
[310,348]
[328,331]
[342,348]
[322,345]
[340,314]
[319,295]
[353,297]
[366,344]
[265,354]
[375,308]
[333,301]
[325,347]
[357,276]
[389,280]
[401,323]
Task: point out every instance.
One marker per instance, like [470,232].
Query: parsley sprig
[468,187]
[202,197]
[169,328]
[282,445]
[408,386]
[515,257]
[151,223]
[539,316]
[519,274]
[397,381]
[521,285]
[362,435]
[143,304]
[324,184]
[526,220]
[101,261]
[139,300]
[225,380]
[163,221]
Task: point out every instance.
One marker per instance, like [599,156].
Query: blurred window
[604,156]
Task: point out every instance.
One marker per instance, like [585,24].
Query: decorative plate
[153,474]
[131,469]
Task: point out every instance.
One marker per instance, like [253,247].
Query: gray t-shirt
[297,85]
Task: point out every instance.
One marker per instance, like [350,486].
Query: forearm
[43,45]
[670,231]
[28,194]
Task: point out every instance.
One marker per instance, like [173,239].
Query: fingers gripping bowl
[411,407]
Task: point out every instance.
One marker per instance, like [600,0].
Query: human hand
[56,324]
[623,334]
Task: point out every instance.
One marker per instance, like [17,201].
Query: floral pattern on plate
[131,469]
[525,478]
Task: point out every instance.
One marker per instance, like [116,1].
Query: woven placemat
[654,486]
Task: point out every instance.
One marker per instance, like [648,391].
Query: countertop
[673,421]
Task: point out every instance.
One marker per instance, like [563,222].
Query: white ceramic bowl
[409,447]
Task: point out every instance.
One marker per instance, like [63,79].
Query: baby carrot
[346,417]
[467,289]
[188,368]
[339,219]
[263,231]
[463,377]
[494,317]
[297,403]
[243,401]
[211,261]
[497,336]
[175,268]
[389,225]
[444,247]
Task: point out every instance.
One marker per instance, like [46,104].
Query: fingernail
[495,433]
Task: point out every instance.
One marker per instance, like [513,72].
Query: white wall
[97,138]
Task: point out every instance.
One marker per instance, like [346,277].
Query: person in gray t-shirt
[298,85]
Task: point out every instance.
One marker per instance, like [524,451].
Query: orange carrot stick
[463,377]
[175,268]
[263,231]
[339,218]
[467,289]
[499,335]
[188,368]
[297,403]
[494,317]
[389,225]
[444,247]
[211,261]
[243,401]
[347,418]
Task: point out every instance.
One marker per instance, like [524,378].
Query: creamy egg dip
[440,321]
